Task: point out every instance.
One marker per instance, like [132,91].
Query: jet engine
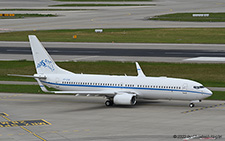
[124,99]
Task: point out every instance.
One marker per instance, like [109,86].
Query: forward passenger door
[184,88]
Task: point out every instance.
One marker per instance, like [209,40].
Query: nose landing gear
[191,105]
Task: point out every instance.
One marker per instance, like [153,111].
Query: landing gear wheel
[109,103]
[191,105]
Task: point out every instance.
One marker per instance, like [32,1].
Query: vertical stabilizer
[44,64]
[139,70]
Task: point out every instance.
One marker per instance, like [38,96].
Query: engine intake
[125,99]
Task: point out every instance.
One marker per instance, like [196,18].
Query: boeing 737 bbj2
[119,90]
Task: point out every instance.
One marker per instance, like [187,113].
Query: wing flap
[100,93]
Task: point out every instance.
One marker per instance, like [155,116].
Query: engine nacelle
[125,99]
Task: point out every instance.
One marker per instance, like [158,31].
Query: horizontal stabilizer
[29,76]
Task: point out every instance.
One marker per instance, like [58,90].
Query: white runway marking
[217,59]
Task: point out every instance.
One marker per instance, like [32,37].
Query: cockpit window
[198,87]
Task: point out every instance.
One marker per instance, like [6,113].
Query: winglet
[139,70]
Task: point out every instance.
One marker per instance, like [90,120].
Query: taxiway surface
[107,17]
[87,119]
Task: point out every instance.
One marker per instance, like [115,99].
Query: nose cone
[208,93]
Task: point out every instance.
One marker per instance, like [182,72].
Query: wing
[106,93]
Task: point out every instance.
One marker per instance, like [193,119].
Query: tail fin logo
[46,64]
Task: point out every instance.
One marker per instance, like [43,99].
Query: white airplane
[119,90]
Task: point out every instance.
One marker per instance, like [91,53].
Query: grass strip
[18,16]
[98,4]
[217,96]
[20,89]
[187,17]
[138,35]
[210,75]
[35,89]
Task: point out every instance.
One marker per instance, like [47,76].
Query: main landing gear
[109,103]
